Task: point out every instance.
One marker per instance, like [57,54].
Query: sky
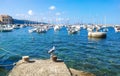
[61,11]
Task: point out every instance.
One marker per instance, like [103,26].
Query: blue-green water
[99,56]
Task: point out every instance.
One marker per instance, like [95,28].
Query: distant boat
[6,28]
[32,30]
[16,26]
[105,29]
[97,34]
[94,32]
[41,30]
[56,27]
[73,29]
[22,26]
[117,28]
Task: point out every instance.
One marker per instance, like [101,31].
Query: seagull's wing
[51,50]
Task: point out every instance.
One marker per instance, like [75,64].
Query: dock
[44,68]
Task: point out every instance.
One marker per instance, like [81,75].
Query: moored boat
[117,28]
[97,34]
[6,28]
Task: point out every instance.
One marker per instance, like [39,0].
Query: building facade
[6,19]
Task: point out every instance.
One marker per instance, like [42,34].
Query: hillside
[17,21]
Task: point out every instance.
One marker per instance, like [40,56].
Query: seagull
[51,50]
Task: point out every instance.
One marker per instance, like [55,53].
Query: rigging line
[10,52]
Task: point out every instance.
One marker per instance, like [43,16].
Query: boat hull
[97,34]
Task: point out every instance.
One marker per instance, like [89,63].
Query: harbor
[78,51]
[60,38]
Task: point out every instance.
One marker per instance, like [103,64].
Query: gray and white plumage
[51,50]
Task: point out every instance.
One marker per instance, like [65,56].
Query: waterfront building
[6,19]
[0,22]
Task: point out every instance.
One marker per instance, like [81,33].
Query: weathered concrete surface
[80,73]
[40,68]
[45,68]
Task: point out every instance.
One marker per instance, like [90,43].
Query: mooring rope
[10,52]
[8,65]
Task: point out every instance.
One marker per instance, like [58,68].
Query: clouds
[58,14]
[50,14]
[52,8]
[25,15]
[30,12]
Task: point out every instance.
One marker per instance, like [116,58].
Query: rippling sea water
[99,56]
